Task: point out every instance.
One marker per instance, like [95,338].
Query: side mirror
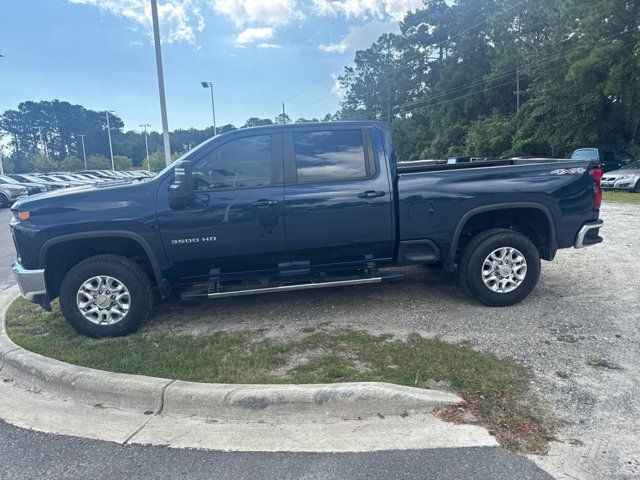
[182,188]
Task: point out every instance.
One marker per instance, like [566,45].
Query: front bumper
[32,284]
[623,183]
[588,234]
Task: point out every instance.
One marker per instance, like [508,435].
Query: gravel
[578,331]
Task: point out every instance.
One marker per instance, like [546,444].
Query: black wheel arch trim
[450,261]
[162,282]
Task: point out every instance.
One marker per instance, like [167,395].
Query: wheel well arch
[531,219]
[62,253]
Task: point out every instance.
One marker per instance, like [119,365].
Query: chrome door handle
[371,194]
[264,203]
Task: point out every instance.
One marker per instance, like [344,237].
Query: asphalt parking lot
[578,331]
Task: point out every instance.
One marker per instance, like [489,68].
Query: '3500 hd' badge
[189,241]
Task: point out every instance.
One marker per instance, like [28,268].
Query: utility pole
[84,154]
[284,115]
[113,167]
[163,105]
[146,144]
[517,90]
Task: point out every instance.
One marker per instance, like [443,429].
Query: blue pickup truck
[280,208]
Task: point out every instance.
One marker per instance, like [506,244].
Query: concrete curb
[220,401]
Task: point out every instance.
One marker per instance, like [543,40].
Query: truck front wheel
[499,267]
[106,296]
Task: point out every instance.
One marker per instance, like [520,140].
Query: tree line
[47,136]
[504,78]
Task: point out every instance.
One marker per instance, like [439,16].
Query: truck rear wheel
[106,296]
[499,267]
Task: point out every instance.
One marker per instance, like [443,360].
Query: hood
[12,187]
[85,197]
[623,172]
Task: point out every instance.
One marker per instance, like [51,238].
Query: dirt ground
[579,331]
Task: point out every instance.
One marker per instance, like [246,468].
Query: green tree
[72,164]
[257,122]
[122,163]
[98,162]
[307,120]
[490,136]
[42,163]
[157,161]
[7,165]
[282,119]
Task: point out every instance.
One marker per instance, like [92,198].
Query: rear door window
[330,155]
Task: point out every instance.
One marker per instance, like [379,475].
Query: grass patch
[496,389]
[620,197]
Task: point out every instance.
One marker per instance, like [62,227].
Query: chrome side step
[297,286]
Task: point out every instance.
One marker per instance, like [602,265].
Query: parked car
[32,188]
[28,178]
[627,178]
[609,159]
[290,207]
[10,192]
[65,179]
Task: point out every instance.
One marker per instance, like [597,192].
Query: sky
[257,53]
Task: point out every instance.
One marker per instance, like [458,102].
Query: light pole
[84,154]
[113,167]
[163,105]
[146,144]
[213,105]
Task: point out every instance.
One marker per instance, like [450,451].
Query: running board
[298,286]
[288,288]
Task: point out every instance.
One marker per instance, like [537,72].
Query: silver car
[627,178]
[10,192]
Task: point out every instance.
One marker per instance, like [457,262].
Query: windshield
[585,155]
[635,164]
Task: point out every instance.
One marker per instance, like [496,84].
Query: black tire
[471,263]
[4,201]
[128,273]
[636,189]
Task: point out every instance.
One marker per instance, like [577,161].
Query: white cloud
[179,19]
[262,12]
[378,9]
[361,37]
[334,47]
[268,45]
[397,9]
[252,35]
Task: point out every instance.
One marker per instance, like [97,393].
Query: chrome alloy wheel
[504,270]
[103,300]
